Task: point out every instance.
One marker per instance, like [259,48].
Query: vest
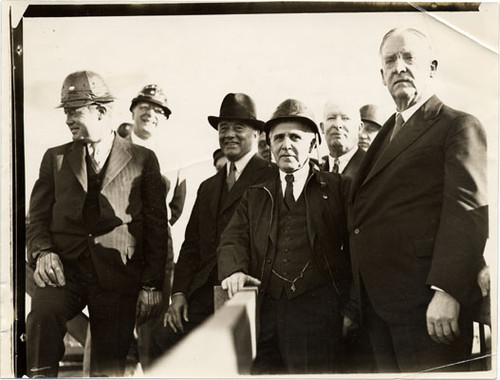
[91,209]
[294,256]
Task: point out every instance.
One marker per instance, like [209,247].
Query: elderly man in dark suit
[418,219]
[287,235]
[341,125]
[96,235]
[195,273]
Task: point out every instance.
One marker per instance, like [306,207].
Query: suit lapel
[218,180]
[118,158]
[371,156]
[248,177]
[417,125]
[76,159]
[275,190]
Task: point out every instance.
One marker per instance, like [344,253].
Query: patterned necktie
[231,178]
[94,158]
[336,165]
[289,198]
[397,126]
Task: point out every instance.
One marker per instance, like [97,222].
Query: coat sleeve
[463,227]
[155,234]
[189,255]
[233,253]
[38,235]
[176,205]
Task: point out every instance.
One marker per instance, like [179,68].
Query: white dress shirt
[240,164]
[299,180]
[343,160]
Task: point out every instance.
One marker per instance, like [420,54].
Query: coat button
[356,231]
[268,261]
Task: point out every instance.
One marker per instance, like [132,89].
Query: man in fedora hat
[286,236]
[196,268]
[149,112]
[372,118]
[96,235]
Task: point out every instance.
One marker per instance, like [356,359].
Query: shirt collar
[299,180]
[104,145]
[138,141]
[241,163]
[407,113]
[343,160]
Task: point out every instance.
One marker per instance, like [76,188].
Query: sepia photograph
[249,189]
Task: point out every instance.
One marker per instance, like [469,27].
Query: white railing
[224,345]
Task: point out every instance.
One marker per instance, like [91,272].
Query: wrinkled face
[147,116]
[341,128]
[262,147]
[85,123]
[236,139]
[407,67]
[367,134]
[291,143]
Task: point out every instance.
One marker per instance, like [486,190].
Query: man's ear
[434,67]
[322,126]
[382,75]
[102,111]
[361,125]
[313,144]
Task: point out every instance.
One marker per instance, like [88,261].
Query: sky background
[199,59]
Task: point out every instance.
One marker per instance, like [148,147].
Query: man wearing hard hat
[372,118]
[149,112]
[287,237]
[96,235]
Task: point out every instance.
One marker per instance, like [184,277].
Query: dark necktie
[397,126]
[289,199]
[231,178]
[336,164]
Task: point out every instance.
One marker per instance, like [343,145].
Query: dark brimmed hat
[152,93]
[371,112]
[237,107]
[83,88]
[289,110]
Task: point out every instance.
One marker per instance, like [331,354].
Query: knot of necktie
[397,125]
[289,178]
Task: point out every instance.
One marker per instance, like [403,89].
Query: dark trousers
[299,335]
[112,317]
[163,338]
[409,348]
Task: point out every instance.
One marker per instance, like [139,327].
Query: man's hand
[347,326]
[483,280]
[234,283]
[177,311]
[49,270]
[442,318]
[148,305]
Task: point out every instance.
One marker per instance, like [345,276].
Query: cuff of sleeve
[436,288]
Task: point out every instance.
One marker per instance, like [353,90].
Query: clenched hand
[49,270]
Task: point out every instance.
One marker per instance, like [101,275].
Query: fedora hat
[237,107]
[371,112]
[292,109]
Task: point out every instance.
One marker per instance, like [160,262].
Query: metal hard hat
[371,112]
[83,88]
[152,93]
[292,109]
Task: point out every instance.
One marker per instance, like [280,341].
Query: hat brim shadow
[257,124]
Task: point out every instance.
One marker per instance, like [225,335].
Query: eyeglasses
[144,107]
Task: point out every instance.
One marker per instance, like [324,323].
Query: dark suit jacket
[129,243]
[197,258]
[352,166]
[249,242]
[418,214]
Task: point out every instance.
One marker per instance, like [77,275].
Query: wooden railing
[224,345]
